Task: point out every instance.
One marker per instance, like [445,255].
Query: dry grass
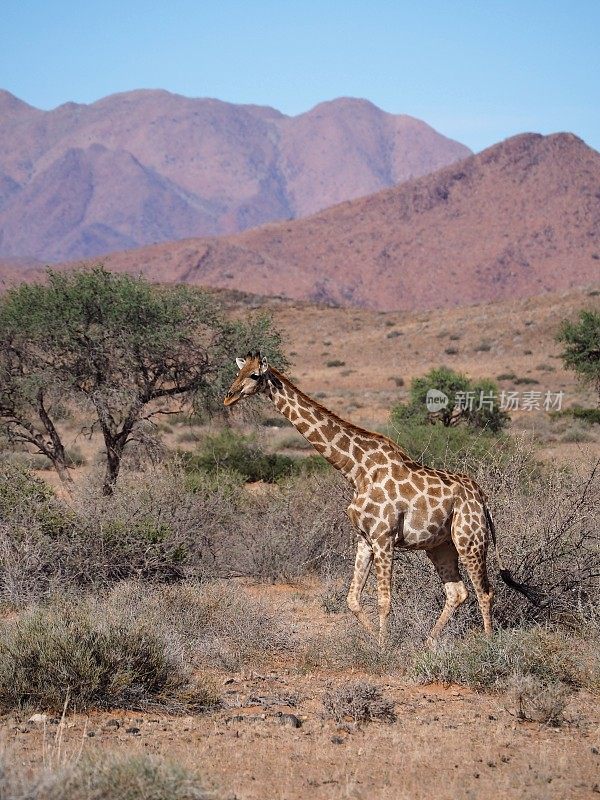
[210,625]
[551,657]
[125,778]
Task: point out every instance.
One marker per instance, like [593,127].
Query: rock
[113,723]
[290,719]
[133,730]
[38,719]
[337,740]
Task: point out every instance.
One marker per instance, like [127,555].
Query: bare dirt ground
[447,741]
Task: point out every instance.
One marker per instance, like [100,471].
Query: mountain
[149,166]
[520,218]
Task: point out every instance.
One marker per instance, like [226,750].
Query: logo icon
[435,400]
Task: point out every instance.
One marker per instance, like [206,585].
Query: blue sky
[478,71]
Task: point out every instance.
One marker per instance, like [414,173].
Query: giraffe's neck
[334,438]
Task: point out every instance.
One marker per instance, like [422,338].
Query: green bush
[454,385]
[230,452]
[436,446]
[69,652]
[25,498]
[591,415]
[581,342]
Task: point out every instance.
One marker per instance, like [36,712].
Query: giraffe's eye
[255,376]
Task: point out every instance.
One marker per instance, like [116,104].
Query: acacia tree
[582,347]
[125,348]
[28,400]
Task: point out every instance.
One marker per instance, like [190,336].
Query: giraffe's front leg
[362,566]
[383,552]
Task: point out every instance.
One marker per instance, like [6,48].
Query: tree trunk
[113,465]
[63,473]
[56,452]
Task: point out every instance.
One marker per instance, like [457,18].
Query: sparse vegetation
[335,362]
[525,381]
[398,381]
[185,553]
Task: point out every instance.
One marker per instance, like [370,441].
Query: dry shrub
[72,653]
[359,701]
[126,778]
[214,624]
[151,528]
[299,530]
[532,699]
[548,535]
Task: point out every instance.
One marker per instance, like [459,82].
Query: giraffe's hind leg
[362,566]
[445,560]
[469,534]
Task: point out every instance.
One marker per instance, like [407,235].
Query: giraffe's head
[252,377]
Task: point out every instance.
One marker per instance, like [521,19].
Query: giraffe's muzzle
[231,398]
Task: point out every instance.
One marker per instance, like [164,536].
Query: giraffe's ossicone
[397,501]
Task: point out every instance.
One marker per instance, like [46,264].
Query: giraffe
[397,503]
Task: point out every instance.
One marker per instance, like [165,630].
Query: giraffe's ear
[240,362]
[264,366]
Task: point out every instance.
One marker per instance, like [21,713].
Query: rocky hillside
[149,166]
[521,218]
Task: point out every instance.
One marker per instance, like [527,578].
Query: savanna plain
[187,636]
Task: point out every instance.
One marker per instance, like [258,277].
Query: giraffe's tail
[530,592]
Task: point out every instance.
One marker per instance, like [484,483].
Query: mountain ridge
[204,167]
[520,218]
